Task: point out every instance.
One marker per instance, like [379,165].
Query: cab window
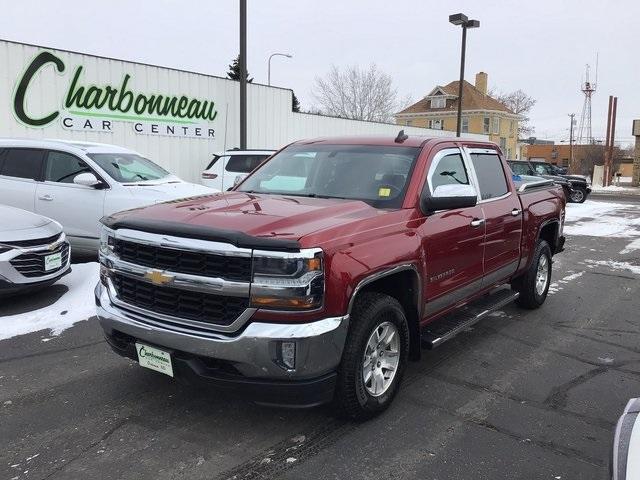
[449,170]
[490,173]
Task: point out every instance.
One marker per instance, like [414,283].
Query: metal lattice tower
[585,134]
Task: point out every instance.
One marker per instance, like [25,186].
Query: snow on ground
[604,219]
[555,287]
[635,245]
[625,266]
[615,189]
[73,306]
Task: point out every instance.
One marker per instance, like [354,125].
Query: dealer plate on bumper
[154,358]
[52,262]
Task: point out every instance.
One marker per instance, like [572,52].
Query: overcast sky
[538,46]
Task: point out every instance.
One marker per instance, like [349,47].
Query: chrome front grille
[174,282]
[185,261]
[199,306]
[32,264]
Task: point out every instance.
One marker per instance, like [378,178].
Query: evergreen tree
[295,103]
[234,70]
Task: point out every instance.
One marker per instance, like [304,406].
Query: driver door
[77,207]
[452,240]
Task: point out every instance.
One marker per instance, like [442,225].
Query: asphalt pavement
[522,395]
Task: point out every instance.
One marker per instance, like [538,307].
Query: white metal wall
[271,123]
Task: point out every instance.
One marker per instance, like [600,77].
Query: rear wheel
[374,357]
[579,195]
[533,285]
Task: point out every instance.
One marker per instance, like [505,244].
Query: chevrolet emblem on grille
[158,277]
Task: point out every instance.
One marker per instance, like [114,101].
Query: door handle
[47,198]
[515,212]
[476,222]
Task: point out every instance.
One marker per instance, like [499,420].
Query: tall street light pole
[243,74]
[269,64]
[462,20]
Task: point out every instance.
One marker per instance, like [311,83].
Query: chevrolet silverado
[330,266]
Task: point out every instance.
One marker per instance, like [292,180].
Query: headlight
[4,248]
[107,241]
[288,281]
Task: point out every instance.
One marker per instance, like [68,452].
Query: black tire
[579,195]
[370,310]
[529,297]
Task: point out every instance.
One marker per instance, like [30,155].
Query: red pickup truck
[329,267]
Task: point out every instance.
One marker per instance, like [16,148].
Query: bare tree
[520,103]
[358,94]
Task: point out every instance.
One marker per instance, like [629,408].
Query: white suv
[228,169]
[77,183]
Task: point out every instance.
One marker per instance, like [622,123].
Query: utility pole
[572,167]
[243,74]
[610,137]
[612,140]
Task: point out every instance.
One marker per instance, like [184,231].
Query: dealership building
[174,117]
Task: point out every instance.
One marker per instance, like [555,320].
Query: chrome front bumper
[252,352]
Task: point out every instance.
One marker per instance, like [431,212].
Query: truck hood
[274,216]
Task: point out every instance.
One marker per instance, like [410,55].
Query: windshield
[543,169]
[375,174]
[128,167]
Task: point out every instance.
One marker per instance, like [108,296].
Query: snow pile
[615,189]
[73,306]
[603,219]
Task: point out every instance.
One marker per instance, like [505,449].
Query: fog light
[287,353]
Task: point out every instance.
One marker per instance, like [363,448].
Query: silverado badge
[158,277]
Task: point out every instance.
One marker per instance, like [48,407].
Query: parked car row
[53,194]
[61,189]
[575,187]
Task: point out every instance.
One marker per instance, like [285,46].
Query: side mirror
[448,197]
[87,179]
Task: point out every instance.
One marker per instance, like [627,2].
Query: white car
[77,183]
[625,458]
[33,251]
[227,169]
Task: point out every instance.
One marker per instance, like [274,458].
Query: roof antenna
[401,137]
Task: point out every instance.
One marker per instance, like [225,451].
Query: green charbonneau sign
[114,102]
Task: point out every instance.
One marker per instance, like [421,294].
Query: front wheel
[579,195]
[374,357]
[533,285]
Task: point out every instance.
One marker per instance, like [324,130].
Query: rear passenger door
[20,169]
[503,218]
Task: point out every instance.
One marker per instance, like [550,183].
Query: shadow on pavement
[31,300]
